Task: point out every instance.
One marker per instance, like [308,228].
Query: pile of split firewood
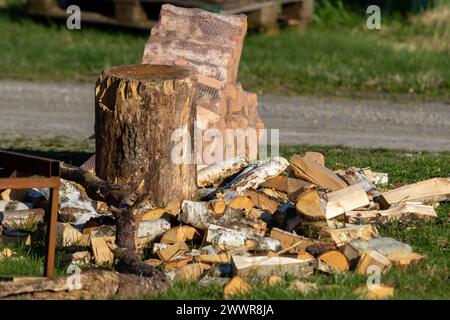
[249,223]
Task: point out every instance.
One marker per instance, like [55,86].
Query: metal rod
[49,266]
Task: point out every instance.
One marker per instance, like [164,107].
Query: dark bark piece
[92,284]
[138,109]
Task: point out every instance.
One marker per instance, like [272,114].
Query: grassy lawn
[428,280]
[338,55]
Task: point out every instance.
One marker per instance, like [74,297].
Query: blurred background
[329,53]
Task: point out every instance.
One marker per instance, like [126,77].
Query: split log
[374,291]
[67,236]
[333,262]
[179,234]
[437,189]
[277,195]
[189,273]
[174,250]
[213,258]
[343,236]
[92,284]
[287,239]
[262,201]
[285,184]
[404,260]
[311,171]
[253,176]
[218,172]
[264,266]
[403,211]
[241,202]
[231,238]
[311,206]
[103,249]
[345,199]
[154,214]
[21,219]
[176,263]
[386,246]
[236,286]
[316,157]
[139,108]
[372,258]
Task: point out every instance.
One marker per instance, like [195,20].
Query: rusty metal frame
[43,173]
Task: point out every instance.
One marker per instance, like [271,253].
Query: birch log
[198,215]
[258,174]
[218,172]
[229,237]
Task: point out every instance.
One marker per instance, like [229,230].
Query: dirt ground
[64,108]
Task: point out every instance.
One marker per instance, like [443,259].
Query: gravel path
[49,109]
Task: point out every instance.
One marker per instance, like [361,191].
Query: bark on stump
[138,107]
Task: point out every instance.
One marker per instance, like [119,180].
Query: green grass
[428,280]
[337,55]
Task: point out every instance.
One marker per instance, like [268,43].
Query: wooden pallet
[142,14]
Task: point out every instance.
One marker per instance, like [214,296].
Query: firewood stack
[212,45]
[254,222]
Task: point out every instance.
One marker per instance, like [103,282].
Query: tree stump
[137,110]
